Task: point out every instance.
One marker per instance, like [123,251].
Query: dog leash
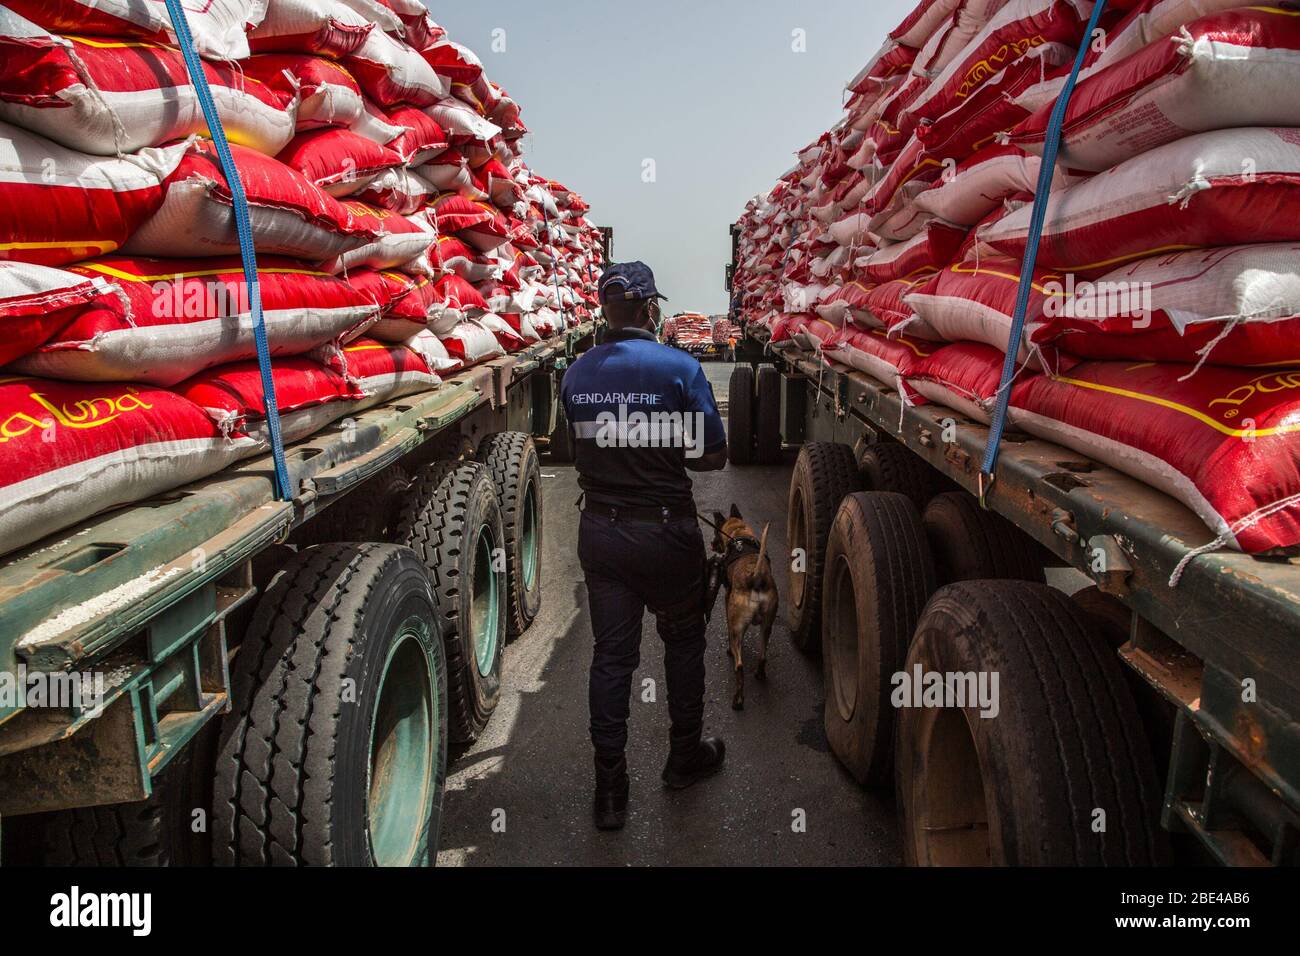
[717,528]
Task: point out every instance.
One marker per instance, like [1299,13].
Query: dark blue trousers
[632,566]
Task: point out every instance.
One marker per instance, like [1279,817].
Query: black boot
[610,808]
[693,759]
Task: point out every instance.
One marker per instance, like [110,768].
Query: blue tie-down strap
[1051,147]
[244,228]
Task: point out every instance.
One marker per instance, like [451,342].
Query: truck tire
[1112,622]
[511,458]
[151,833]
[740,415]
[369,513]
[879,577]
[893,467]
[767,416]
[1024,788]
[336,752]
[560,447]
[453,522]
[971,544]
[823,474]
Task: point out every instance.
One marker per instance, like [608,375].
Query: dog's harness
[738,548]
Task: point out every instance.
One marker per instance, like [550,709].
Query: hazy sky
[710,90]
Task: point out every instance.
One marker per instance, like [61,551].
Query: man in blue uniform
[643,415]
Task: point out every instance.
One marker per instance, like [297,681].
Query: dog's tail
[761,574]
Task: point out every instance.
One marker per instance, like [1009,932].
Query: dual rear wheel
[754,416]
[1029,748]
[366,660]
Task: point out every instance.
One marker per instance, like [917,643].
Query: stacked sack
[400,236]
[1163,331]
[691,329]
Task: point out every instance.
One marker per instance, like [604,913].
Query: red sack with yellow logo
[109,97]
[1010,34]
[70,450]
[1224,442]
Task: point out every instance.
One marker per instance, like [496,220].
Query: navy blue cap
[628,280]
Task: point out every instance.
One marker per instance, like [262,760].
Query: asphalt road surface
[522,794]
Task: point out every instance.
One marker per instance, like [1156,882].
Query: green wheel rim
[530,534]
[484,616]
[403,742]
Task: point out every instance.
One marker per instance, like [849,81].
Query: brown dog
[751,592]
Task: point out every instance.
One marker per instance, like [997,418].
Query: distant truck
[693,332]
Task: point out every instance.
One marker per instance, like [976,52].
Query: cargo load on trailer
[1162,329]
[400,236]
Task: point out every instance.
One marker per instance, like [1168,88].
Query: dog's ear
[735,512]
[718,520]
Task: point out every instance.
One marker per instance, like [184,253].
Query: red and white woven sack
[470,343]
[308,395]
[403,241]
[339,161]
[1230,305]
[322,27]
[969,302]
[1009,34]
[1145,22]
[219,28]
[1222,442]
[185,315]
[434,353]
[1230,70]
[70,450]
[382,371]
[414,303]
[1221,188]
[59,206]
[392,74]
[890,359]
[511,339]
[37,303]
[290,215]
[328,95]
[964,377]
[109,97]
[970,190]
[402,191]
[931,249]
